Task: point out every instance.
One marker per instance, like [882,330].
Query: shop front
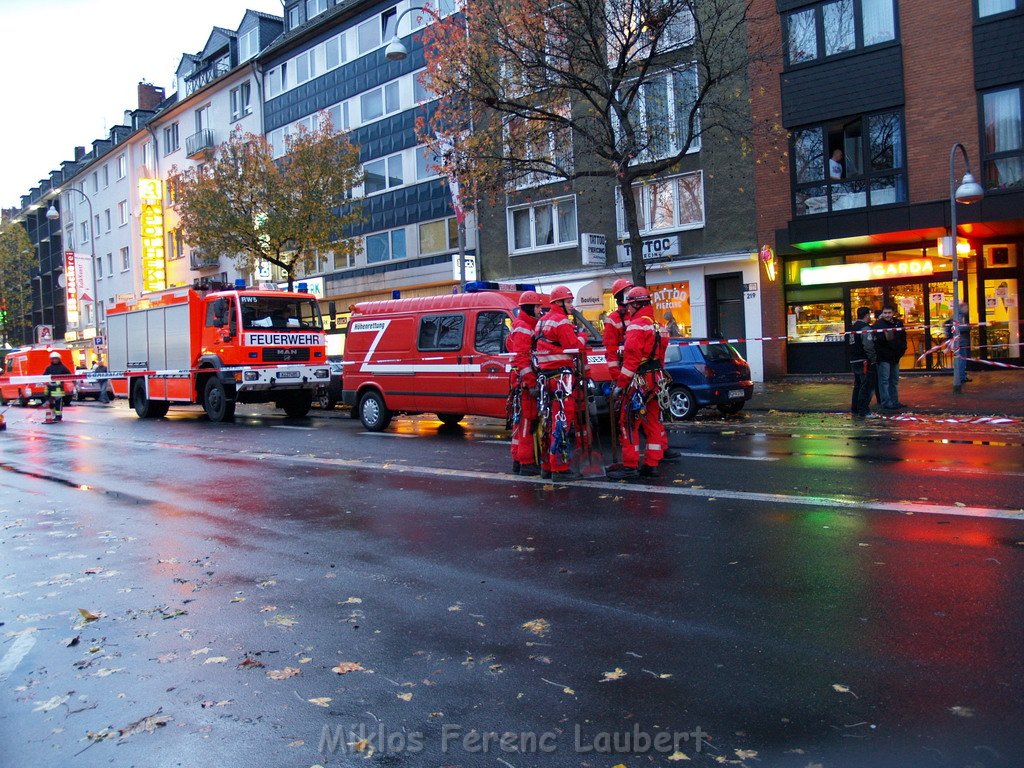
[823,293]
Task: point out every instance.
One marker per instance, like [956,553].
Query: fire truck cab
[438,354]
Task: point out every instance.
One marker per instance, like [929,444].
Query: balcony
[200,260]
[199,143]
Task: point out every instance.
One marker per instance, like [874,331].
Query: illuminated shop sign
[71,287]
[869,270]
[151,220]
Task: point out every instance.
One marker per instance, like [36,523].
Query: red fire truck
[217,348]
[442,354]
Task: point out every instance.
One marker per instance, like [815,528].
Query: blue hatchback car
[706,372]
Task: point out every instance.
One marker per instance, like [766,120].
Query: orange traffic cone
[48,417]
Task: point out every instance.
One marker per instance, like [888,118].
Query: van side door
[439,372]
[487,375]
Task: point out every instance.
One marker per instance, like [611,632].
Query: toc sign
[655,249]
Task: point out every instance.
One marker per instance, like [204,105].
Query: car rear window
[719,352]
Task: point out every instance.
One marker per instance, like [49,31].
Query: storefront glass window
[821,321]
[909,303]
[1002,311]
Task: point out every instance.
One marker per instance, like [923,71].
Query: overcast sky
[71,68]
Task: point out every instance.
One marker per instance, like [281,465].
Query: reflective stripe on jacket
[645,341]
[520,344]
[555,333]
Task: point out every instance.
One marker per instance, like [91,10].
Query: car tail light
[705,370]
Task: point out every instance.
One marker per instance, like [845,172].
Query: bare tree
[17,258]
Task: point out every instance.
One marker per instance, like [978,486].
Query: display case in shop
[822,321]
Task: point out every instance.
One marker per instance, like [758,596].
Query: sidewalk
[989,393]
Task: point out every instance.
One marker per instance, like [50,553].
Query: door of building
[909,302]
[726,316]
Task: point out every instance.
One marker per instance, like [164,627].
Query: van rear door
[487,374]
[440,371]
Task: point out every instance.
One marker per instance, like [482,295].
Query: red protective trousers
[561,433]
[522,433]
[648,421]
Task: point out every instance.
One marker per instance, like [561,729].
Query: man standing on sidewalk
[862,361]
[890,345]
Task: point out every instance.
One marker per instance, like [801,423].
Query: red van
[439,354]
[26,362]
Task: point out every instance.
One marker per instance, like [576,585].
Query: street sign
[98,341]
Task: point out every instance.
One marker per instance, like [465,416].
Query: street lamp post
[968,192]
[396,51]
[53,215]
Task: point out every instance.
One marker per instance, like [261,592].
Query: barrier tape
[167,374]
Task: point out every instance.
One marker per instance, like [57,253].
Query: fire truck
[217,347]
[443,355]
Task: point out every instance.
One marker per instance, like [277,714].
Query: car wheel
[450,419]
[373,413]
[324,400]
[78,395]
[218,406]
[682,404]
[298,405]
[730,409]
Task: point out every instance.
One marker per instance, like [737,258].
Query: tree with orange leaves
[248,206]
[538,91]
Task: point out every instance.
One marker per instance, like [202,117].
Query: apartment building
[875,96]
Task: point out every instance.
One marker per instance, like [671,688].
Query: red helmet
[559,293]
[530,297]
[638,295]
[620,285]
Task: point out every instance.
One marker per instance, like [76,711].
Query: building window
[95,224]
[305,66]
[277,81]
[835,27]
[248,44]
[992,7]
[110,264]
[427,163]
[439,236]
[334,49]
[315,8]
[122,167]
[852,163]
[85,231]
[106,176]
[379,102]
[175,245]
[666,204]
[1003,153]
[385,246]
[241,101]
[665,102]
[293,17]
[122,212]
[339,116]
[171,189]
[541,154]
[372,32]
[95,181]
[126,262]
[171,138]
[542,226]
[99,267]
[147,156]
[106,219]
[383,174]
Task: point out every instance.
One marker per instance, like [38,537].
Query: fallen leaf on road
[283,674]
[348,666]
[199,651]
[363,745]
[89,615]
[147,724]
[174,614]
[843,689]
[351,601]
[105,672]
[237,599]
[249,661]
[71,642]
[959,504]
[165,658]
[746,754]
[215,660]
[266,583]
[616,674]
[282,621]
[454,608]
[298,743]
[538,626]
[268,609]
[321,701]
[404,696]
[569,691]
[962,711]
[677,755]
[305,660]
[224,703]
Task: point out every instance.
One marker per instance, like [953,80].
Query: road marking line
[385,434]
[22,645]
[286,426]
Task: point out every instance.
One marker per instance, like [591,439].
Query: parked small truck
[217,348]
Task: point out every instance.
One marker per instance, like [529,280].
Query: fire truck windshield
[279,313]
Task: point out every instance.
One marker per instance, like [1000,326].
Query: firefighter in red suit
[615,328]
[556,345]
[523,384]
[637,388]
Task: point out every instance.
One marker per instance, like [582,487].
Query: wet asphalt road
[797,591]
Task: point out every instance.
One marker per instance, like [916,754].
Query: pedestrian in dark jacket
[862,362]
[890,346]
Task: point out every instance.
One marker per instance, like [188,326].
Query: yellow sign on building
[151,220]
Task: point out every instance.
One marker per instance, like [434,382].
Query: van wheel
[218,406]
[373,413]
[450,419]
[682,404]
[144,407]
[298,405]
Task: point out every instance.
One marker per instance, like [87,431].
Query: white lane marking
[688,454]
[287,426]
[385,434]
[22,645]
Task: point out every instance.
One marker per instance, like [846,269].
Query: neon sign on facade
[154,265]
[71,287]
[870,270]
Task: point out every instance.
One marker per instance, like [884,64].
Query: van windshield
[593,337]
[279,313]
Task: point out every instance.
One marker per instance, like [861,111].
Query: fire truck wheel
[23,401]
[144,407]
[216,403]
[373,413]
[298,405]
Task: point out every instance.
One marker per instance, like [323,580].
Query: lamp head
[395,50]
[968,192]
[52,214]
